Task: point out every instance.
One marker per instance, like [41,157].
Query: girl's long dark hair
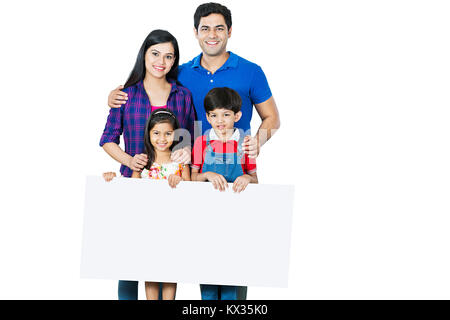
[155,37]
[158,116]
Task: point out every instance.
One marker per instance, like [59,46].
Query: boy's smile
[222,121]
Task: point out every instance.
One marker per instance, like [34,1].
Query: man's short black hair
[222,98]
[206,9]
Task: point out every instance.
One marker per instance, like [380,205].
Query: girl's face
[161,136]
[159,59]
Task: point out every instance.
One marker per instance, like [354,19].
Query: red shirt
[229,146]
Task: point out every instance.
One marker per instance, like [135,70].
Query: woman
[151,85]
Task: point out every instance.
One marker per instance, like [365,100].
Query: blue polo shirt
[246,77]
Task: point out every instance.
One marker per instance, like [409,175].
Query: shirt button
[212,80]
[209,72]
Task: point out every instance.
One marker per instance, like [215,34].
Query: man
[217,67]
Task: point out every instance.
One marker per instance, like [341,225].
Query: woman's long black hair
[155,37]
[162,115]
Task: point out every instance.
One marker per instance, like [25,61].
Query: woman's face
[159,59]
[161,136]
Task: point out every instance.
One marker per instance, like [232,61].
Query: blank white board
[140,229]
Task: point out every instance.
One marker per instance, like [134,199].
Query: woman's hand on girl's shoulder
[174,180]
[108,176]
[138,162]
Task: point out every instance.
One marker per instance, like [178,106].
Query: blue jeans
[128,290]
[219,292]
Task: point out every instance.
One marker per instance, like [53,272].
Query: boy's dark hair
[206,9]
[222,98]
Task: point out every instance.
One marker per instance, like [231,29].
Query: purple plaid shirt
[131,117]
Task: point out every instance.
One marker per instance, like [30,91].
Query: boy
[217,157]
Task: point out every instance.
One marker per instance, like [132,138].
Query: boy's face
[222,120]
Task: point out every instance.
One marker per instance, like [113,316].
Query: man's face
[213,34]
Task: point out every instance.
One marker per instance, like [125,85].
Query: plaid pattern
[131,117]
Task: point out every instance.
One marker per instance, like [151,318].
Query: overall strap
[207,138]
[241,140]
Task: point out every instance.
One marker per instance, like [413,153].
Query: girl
[159,142]
[151,85]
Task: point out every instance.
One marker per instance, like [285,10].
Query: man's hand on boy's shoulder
[250,146]
[117,98]
[218,180]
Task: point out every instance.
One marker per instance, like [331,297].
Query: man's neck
[213,63]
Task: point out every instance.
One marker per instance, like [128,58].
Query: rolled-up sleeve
[114,126]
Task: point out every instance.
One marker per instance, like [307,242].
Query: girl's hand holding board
[174,180]
[108,176]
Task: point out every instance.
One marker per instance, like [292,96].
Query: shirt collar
[235,136]
[174,85]
[196,61]
[232,61]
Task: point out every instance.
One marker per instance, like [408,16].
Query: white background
[363,92]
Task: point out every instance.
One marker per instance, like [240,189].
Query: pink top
[158,107]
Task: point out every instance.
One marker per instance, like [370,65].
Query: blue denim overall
[229,166]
